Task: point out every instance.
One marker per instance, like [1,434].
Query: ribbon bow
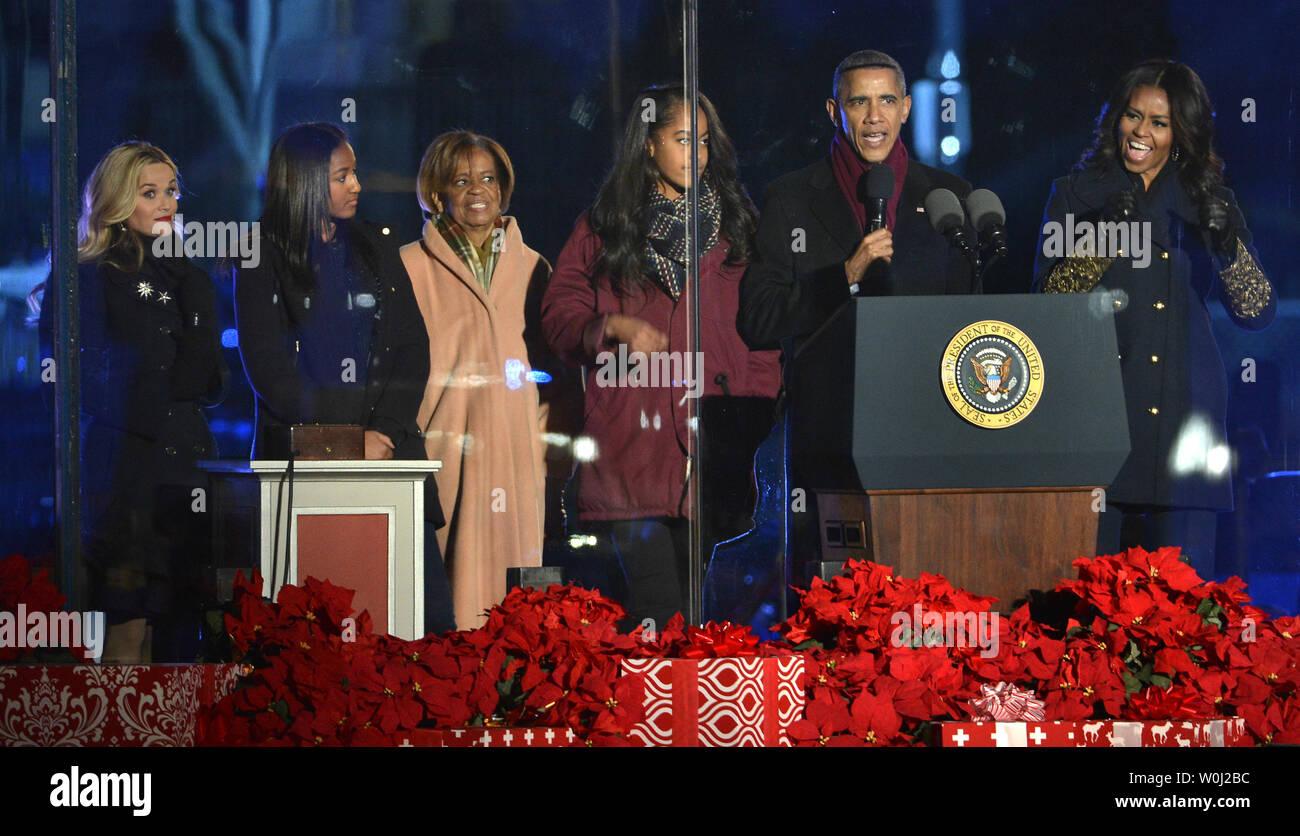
[1177,703]
[717,640]
[1005,702]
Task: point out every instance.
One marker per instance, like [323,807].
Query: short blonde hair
[443,157]
[110,198]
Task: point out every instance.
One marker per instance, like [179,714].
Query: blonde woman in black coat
[150,360]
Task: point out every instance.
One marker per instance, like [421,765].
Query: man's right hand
[879,244]
[638,334]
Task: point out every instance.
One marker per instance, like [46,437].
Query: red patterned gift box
[493,738]
[730,701]
[1097,733]
[108,705]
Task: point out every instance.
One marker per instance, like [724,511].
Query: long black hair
[618,215]
[298,194]
[1199,166]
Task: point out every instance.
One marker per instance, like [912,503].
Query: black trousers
[439,617]
[653,555]
[1151,527]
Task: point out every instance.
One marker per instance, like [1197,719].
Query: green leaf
[1111,626]
[809,644]
[1132,652]
[1159,680]
[1131,683]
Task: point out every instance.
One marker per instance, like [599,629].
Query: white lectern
[358,524]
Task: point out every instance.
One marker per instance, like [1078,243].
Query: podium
[967,436]
[358,524]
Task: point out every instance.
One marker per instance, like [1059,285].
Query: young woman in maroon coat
[616,304]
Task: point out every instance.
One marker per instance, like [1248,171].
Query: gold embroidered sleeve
[1245,285]
[1076,274]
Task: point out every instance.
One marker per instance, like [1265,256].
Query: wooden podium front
[990,542]
[358,524]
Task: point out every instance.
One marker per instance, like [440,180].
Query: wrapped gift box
[108,705]
[730,701]
[1096,733]
[493,737]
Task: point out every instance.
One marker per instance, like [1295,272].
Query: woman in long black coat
[150,359]
[1153,166]
[329,329]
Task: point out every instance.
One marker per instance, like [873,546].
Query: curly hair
[618,215]
[1192,115]
[109,199]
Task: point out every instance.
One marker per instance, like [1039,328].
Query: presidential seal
[992,374]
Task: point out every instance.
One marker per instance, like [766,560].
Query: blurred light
[515,371]
[385,230]
[950,88]
[950,146]
[22,363]
[230,338]
[645,420]
[1197,449]
[1216,461]
[556,439]
[951,67]
[577,541]
[538,377]
[925,121]
[584,449]
[657,423]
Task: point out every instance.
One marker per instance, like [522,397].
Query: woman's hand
[637,334]
[378,446]
[1215,220]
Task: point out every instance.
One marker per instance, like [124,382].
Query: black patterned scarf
[665,246]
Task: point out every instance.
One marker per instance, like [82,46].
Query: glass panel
[1006,97]
[534,469]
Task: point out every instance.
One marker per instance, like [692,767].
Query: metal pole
[62,293]
[695,561]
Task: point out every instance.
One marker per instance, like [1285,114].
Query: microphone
[989,219]
[875,188]
[949,220]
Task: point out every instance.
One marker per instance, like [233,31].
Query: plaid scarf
[665,246]
[480,262]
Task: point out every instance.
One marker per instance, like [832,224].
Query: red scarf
[849,168]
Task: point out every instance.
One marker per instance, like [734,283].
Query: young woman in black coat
[150,359]
[1153,166]
[329,329]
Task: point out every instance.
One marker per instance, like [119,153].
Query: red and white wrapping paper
[730,701]
[108,705]
[1096,733]
[493,738]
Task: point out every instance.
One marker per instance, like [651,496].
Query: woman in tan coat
[476,282]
